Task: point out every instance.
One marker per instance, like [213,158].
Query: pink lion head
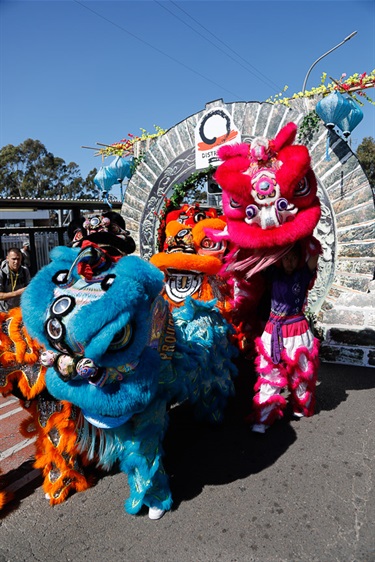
[269,191]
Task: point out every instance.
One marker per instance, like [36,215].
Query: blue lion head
[100,322]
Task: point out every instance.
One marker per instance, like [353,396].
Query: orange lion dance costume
[51,421]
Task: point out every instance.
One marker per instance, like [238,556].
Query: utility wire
[270,82]
[158,50]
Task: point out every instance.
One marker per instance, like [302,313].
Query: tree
[366,156]
[29,170]
[90,186]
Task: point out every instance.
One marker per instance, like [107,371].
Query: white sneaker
[259,428]
[155,513]
[47,496]
[298,415]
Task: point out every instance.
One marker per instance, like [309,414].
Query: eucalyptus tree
[29,170]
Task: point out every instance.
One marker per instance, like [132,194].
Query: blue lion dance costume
[117,353]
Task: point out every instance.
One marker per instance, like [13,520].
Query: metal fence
[43,244]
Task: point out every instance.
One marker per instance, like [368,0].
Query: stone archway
[346,229]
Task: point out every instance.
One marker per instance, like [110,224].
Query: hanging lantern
[122,168]
[105,178]
[355,116]
[332,109]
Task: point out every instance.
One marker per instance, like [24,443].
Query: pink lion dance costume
[270,203]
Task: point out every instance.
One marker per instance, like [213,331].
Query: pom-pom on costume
[114,351]
[270,202]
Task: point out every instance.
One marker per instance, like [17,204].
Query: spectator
[25,251]
[14,278]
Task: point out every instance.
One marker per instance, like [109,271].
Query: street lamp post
[325,54]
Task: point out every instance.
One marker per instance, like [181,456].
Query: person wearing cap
[14,278]
[25,251]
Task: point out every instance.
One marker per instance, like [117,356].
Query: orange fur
[60,458]
[57,456]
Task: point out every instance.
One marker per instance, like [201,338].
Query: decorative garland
[355,83]
[172,203]
[308,126]
[125,147]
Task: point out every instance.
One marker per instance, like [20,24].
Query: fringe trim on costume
[137,446]
[305,405]
[99,445]
[270,365]
[290,375]
[56,452]
[276,412]
[19,355]
[19,377]
[281,383]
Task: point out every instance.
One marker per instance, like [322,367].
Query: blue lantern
[332,109]
[122,168]
[105,178]
[354,117]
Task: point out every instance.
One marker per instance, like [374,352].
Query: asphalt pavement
[302,492]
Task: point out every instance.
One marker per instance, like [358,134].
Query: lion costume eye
[303,188]
[234,204]
[55,329]
[208,244]
[199,216]
[182,233]
[63,305]
[121,339]
[61,277]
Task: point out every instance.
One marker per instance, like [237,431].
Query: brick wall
[348,326]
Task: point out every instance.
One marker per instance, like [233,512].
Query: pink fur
[291,376]
[252,236]
[230,151]
[279,405]
[287,165]
[285,137]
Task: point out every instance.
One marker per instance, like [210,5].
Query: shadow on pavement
[198,454]
[13,477]
[335,380]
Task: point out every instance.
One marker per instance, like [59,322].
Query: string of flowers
[173,202]
[125,147]
[357,83]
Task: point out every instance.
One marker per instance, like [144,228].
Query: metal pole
[325,54]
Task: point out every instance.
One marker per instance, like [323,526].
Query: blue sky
[75,72]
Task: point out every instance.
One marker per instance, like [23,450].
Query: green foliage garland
[309,125]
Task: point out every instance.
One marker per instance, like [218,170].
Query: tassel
[328,158]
